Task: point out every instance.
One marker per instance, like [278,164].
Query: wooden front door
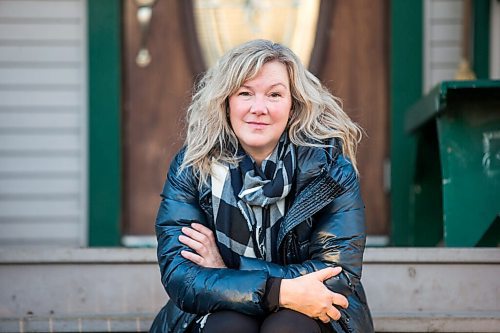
[356,68]
[154,100]
[353,64]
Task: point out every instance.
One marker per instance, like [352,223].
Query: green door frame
[104,122]
[406,52]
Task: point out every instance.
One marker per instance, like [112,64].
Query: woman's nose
[258,106]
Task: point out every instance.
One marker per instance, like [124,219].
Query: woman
[261,224]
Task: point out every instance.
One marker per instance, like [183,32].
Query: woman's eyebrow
[271,86]
[279,84]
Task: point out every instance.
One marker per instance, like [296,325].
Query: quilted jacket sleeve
[193,288]
[338,237]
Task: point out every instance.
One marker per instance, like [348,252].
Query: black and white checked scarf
[249,203]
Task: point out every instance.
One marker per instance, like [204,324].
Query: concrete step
[119,290]
[123,322]
[389,322]
[437,322]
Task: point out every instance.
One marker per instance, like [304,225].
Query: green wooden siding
[105,162]
[405,89]
[481,38]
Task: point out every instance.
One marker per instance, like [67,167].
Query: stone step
[124,322]
[389,322]
[119,290]
[436,322]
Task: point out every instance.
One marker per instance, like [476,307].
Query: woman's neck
[259,156]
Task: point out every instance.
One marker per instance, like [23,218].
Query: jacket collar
[314,188]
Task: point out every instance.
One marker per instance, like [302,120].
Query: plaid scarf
[249,203]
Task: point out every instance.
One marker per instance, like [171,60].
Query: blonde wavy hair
[316,115]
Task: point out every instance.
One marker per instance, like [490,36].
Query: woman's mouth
[257,125]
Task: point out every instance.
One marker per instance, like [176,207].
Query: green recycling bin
[455,192]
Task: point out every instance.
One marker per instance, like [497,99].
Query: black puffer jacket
[323,227]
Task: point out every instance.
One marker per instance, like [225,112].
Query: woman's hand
[201,240]
[307,294]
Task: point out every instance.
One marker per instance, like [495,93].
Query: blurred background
[93,96]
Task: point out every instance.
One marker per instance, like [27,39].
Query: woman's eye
[275,95]
[243,93]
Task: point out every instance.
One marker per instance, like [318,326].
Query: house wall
[495,40]
[442,40]
[43,122]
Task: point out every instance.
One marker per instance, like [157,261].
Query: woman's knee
[228,322]
[289,321]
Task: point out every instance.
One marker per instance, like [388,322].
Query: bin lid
[434,103]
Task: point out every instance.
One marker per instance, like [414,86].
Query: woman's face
[260,108]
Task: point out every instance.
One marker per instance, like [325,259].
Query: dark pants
[283,321]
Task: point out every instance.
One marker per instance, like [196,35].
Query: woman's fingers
[340,300]
[307,294]
[326,273]
[192,244]
[203,230]
[192,257]
[196,235]
[333,313]
[200,239]
[324,318]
